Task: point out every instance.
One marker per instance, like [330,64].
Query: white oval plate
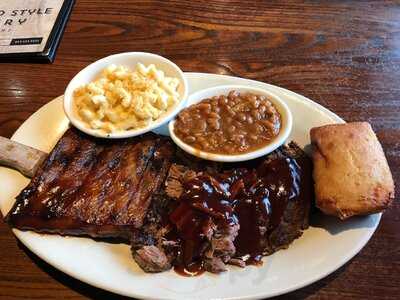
[323,248]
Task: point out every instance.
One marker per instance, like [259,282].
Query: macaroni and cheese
[121,99]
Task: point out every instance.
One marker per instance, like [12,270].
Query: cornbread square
[351,174]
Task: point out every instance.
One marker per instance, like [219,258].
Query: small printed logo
[26,41]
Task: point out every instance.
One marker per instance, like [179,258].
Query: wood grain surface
[344,55]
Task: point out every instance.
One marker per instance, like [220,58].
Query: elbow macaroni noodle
[122,99]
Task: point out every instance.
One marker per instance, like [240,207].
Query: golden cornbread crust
[351,174]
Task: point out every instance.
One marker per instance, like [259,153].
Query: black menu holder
[15,14]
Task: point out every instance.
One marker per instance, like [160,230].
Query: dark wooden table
[344,55]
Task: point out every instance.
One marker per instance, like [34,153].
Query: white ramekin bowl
[128,59]
[280,105]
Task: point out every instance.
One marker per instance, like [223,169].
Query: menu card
[30,30]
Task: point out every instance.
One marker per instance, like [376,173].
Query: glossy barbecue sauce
[253,198]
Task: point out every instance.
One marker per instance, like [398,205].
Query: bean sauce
[233,124]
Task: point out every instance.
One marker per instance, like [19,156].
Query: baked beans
[233,124]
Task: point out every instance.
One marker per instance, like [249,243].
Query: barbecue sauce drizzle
[253,198]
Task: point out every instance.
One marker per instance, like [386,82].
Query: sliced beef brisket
[235,216]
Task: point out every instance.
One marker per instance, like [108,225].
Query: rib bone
[20,157]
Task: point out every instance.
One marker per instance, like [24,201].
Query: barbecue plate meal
[188,214]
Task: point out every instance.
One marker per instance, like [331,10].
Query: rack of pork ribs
[175,210]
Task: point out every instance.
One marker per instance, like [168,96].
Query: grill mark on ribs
[45,177]
[91,197]
[93,187]
[128,186]
[64,188]
[151,181]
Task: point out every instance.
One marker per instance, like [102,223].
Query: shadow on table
[334,225]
